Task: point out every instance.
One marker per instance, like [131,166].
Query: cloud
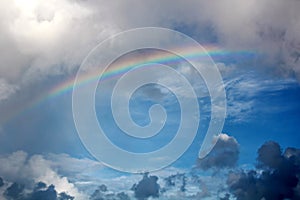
[26,170]
[15,191]
[39,39]
[40,191]
[1,182]
[225,154]
[43,37]
[270,155]
[67,165]
[48,193]
[53,37]
[6,89]
[193,184]
[242,92]
[103,193]
[267,27]
[226,197]
[176,180]
[276,177]
[147,187]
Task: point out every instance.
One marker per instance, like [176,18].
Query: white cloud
[46,35]
[42,38]
[243,91]
[58,169]
[22,168]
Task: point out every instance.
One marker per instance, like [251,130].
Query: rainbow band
[120,68]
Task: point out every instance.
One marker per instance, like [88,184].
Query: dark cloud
[1,182]
[65,196]
[276,176]
[147,187]
[176,180]
[48,194]
[17,191]
[293,154]
[269,154]
[225,154]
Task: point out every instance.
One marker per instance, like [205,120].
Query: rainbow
[119,68]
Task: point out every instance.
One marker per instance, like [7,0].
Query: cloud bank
[53,37]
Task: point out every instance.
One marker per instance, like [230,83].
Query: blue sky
[44,43]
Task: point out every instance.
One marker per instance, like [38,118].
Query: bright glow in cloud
[22,168]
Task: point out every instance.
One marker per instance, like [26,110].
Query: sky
[196,59]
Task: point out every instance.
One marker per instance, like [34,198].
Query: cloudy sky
[254,45]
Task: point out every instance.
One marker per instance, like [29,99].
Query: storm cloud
[275,177]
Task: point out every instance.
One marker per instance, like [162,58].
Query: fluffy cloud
[40,191]
[276,177]
[268,27]
[47,37]
[225,154]
[54,36]
[26,170]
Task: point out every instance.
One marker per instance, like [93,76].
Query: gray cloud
[225,154]
[6,89]
[39,192]
[26,170]
[269,154]
[176,180]
[276,177]
[268,27]
[103,193]
[52,37]
[1,182]
[147,187]
[15,191]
